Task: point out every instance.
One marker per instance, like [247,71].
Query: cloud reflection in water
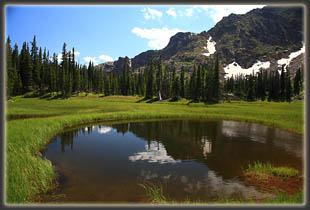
[155,153]
[104,129]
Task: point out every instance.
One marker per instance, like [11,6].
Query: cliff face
[265,35]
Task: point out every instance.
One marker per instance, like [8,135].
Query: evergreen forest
[32,69]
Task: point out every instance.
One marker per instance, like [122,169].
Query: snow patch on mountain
[210,47]
[234,68]
[287,61]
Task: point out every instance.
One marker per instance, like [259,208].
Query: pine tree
[159,75]
[271,86]
[149,81]
[64,70]
[282,84]
[11,71]
[100,81]
[297,82]
[35,63]
[276,86]
[26,68]
[288,85]
[208,90]
[192,85]
[106,84]
[250,94]
[54,71]
[44,73]
[73,72]
[175,88]
[90,77]
[182,90]
[198,86]
[15,62]
[69,75]
[264,85]
[216,81]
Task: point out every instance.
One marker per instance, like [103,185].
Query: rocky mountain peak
[261,35]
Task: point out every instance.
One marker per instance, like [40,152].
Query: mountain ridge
[266,35]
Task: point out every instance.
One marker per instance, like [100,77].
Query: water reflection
[191,158]
[207,146]
[155,153]
[104,129]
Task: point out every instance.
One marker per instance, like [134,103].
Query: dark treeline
[270,85]
[34,69]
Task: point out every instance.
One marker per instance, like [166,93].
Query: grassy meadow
[29,177]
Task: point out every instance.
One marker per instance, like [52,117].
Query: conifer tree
[159,75]
[208,90]
[182,87]
[17,79]
[175,88]
[64,70]
[250,94]
[35,63]
[26,68]
[282,84]
[192,85]
[288,85]
[198,88]
[106,84]
[271,86]
[297,82]
[165,84]
[11,71]
[216,80]
[149,81]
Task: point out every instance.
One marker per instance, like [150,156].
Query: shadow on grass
[148,100]
[174,99]
[210,102]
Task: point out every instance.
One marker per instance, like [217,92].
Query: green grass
[263,170]
[28,175]
[284,198]
[156,195]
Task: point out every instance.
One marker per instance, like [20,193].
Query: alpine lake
[189,159]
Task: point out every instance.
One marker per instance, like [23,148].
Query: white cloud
[189,12]
[217,12]
[159,37]
[92,59]
[105,58]
[76,53]
[151,13]
[172,12]
[59,57]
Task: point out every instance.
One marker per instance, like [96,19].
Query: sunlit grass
[285,115]
[263,170]
[155,193]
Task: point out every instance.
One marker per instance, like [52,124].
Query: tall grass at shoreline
[263,170]
[28,175]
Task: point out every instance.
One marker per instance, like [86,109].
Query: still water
[190,159]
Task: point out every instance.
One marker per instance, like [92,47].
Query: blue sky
[104,33]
